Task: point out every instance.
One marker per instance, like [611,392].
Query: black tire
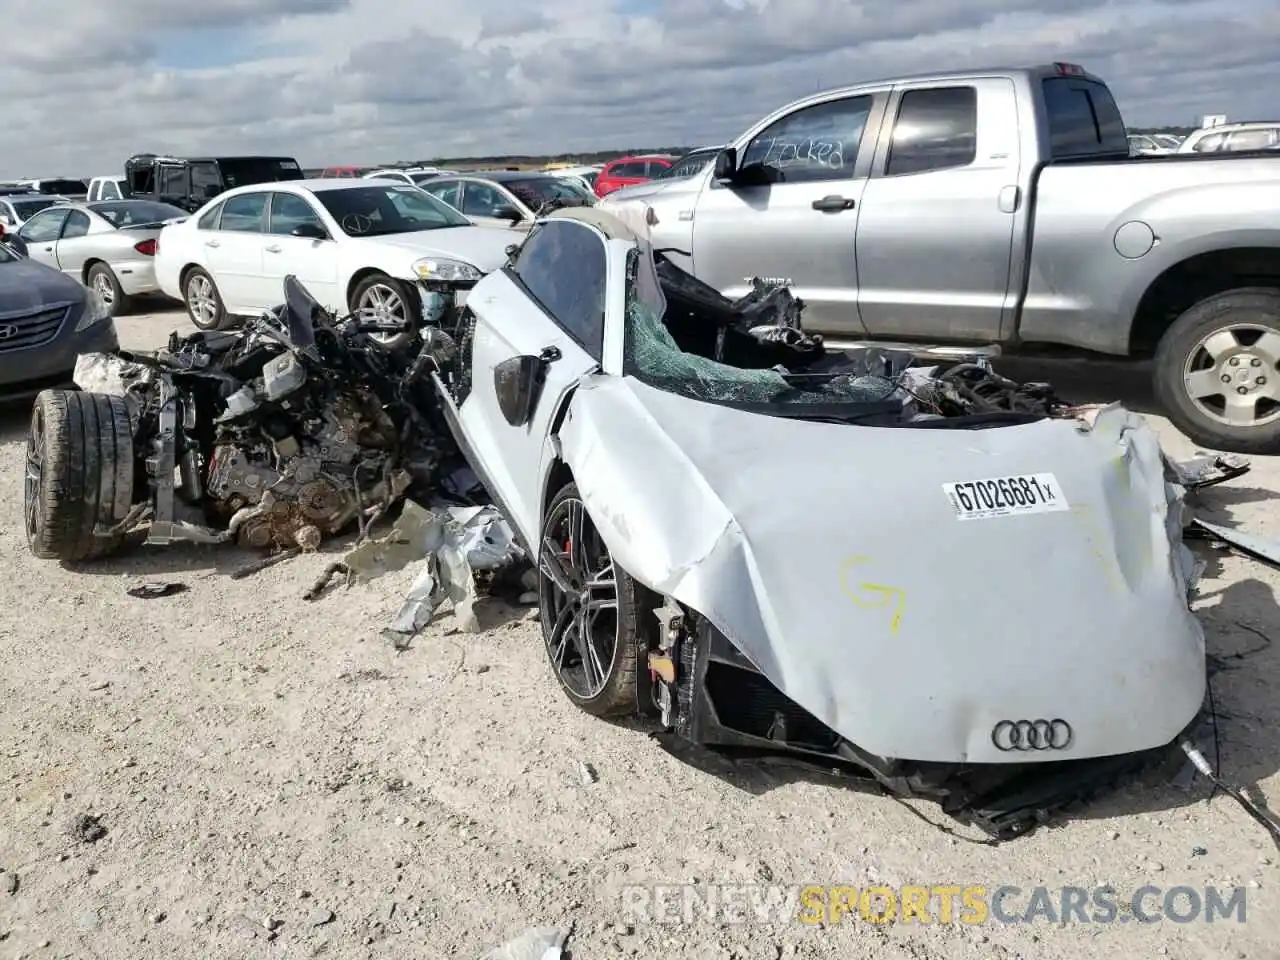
[407,296]
[104,280]
[193,290]
[79,474]
[620,692]
[1246,314]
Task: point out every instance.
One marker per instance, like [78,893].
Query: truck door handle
[833,203]
[274,248]
[212,243]
[550,354]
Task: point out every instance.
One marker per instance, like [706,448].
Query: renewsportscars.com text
[939,903]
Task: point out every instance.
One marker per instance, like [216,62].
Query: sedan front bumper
[29,370]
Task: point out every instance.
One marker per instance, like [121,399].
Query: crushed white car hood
[830,555]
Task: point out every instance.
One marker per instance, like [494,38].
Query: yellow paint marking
[873,596]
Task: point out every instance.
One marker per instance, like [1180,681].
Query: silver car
[109,246]
[508,197]
[16,209]
[1232,138]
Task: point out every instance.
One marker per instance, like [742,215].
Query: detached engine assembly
[274,436]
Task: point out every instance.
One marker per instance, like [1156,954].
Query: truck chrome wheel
[578,600]
[1233,375]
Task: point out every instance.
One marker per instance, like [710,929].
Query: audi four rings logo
[8,330]
[1023,735]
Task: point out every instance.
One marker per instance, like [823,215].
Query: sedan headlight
[440,268]
[95,310]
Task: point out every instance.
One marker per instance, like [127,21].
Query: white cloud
[332,81]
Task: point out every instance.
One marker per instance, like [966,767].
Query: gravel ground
[274,780]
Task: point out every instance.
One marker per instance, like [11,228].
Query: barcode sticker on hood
[1006,496]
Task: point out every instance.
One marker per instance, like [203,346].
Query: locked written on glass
[970,904]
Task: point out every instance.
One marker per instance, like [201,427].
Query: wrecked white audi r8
[962,587]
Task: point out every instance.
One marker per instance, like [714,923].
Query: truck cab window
[813,144]
[1083,118]
[935,129]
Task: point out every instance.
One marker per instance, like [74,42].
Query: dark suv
[191,182]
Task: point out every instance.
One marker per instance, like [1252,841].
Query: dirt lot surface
[276,781]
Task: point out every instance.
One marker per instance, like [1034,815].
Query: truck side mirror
[726,165]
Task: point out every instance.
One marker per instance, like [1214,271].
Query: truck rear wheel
[1217,372]
[79,474]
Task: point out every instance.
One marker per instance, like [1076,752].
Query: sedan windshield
[26,209]
[379,210]
[132,213]
[537,192]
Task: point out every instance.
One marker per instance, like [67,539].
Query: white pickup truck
[1002,207]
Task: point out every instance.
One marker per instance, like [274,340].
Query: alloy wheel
[103,288]
[385,305]
[33,475]
[578,593]
[202,301]
[1233,375]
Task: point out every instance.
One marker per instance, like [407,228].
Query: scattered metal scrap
[262,564]
[1263,549]
[87,828]
[464,551]
[1208,471]
[322,582]
[153,591]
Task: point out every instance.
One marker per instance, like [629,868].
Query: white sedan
[357,245]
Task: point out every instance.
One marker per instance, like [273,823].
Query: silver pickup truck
[1001,207]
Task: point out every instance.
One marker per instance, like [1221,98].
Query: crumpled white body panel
[831,557]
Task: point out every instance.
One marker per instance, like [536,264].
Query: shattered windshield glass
[653,356]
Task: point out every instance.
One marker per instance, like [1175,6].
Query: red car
[626,171]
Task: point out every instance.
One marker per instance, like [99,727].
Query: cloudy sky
[85,84]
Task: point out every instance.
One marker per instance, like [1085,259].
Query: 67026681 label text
[1006,496]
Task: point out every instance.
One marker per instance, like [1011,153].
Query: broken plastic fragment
[105,373]
[540,943]
[453,543]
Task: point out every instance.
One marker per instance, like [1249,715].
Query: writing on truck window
[815,143]
[782,153]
